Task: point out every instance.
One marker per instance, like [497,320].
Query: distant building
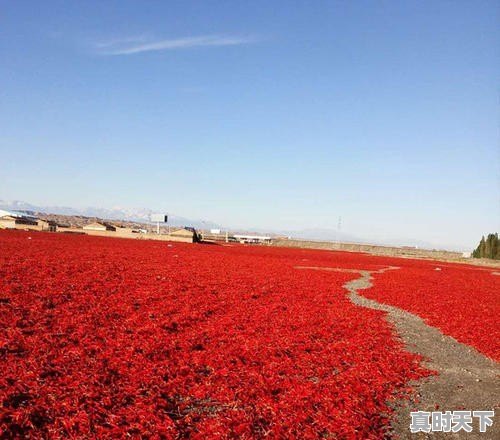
[253,238]
[18,220]
[11,222]
[47,225]
[7,222]
[32,223]
[99,226]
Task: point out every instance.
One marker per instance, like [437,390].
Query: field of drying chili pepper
[113,338]
[462,301]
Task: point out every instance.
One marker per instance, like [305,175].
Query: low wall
[13,225]
[373,249]
[116,234]
[126,234]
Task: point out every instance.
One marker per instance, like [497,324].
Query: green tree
[494,246]
[480,248]
[488,248]
[497,249]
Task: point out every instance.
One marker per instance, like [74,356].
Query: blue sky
[258,114]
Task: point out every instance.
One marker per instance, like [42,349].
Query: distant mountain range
[142,215]
[321,234]
[125,214]
[333,235]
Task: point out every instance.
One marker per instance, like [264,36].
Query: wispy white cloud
[119,42]
[135,45]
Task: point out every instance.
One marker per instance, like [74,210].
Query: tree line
[488,248]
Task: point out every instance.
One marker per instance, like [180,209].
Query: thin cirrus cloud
[131,46]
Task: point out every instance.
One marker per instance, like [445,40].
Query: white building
[252,238]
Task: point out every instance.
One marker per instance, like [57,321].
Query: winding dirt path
[466,379]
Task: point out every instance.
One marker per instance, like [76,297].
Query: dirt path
[467,379]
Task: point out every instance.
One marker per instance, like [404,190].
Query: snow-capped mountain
[116,213]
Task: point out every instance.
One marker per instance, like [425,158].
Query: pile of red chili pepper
[114,338]
[463,301]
